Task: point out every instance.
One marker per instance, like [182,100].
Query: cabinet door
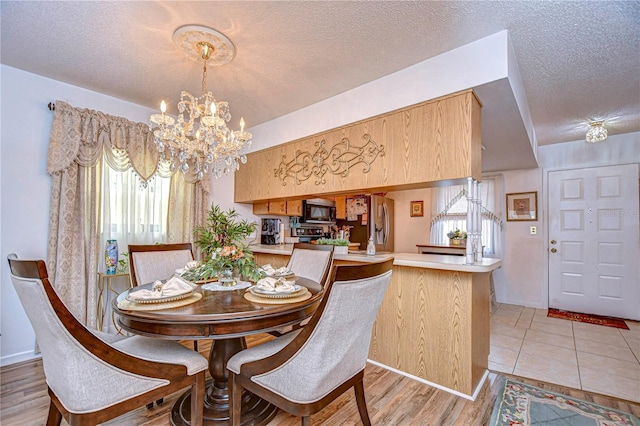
[341,207]
[261,208]
[278,207]
[294,208]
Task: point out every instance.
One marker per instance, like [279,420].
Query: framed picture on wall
[417,208]
[522,206]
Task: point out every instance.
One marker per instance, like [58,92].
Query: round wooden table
[227,317]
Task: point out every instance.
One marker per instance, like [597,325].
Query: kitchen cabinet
[279,208]
[413,147]
[341,207]
[294,208]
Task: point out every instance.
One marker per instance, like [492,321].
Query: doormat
[592,319]
[526,405]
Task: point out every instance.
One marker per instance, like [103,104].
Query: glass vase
[111,256]
[228,278]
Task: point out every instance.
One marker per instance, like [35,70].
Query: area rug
[526,405]
[592,319]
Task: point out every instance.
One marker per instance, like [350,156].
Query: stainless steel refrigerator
[379,221]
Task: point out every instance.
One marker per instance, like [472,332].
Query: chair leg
[235,400]
[55,416]
[197,400]
[362,403]
[306,421]
[195,345]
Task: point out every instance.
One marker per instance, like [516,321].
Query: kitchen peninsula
[433,324]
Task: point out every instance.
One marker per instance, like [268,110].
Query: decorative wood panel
[429,142]
[434,324]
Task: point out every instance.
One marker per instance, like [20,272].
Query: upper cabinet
[280,208]
[438,140]
[341,207]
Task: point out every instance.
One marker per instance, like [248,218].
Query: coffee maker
[270,234]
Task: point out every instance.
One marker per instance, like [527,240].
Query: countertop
[431,261]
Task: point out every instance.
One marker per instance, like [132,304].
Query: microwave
[319,210]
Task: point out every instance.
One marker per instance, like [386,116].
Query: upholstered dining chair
[311,261]
[93,376]
[303,371]
[150,262]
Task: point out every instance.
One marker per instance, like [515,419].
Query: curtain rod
[51,106]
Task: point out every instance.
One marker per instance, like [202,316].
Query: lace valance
[83,135]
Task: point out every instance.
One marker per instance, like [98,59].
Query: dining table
[226,317]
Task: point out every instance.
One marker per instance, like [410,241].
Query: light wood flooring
[392,400]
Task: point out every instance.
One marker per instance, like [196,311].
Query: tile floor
[527,343]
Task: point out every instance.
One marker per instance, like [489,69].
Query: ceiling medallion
[338,160]
[199,142]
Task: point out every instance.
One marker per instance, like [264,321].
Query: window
[450,203]
[133,213]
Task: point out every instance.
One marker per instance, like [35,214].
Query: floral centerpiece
[457,237]
[224,253]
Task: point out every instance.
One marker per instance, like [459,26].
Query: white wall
[25,185]
[523,278]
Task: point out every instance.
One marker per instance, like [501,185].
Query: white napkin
[173,287]
[271,271]
[276,285]
[190,265]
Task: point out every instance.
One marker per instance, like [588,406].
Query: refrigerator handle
[386,223]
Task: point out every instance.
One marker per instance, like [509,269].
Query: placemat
[214,286]
[253,298]
[124,304]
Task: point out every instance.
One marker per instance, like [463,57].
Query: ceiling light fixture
[596,132]
[199,142]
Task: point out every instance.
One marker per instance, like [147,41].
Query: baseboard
[435,385]
[16,358]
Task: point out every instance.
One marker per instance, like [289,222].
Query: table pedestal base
[255,411]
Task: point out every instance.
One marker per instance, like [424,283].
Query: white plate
[260,291]
[162,299]
[300,292]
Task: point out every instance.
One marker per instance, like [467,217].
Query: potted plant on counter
[341,245]
[457,238]
[224,253]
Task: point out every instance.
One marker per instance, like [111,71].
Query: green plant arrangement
[221,241]
[333,241]
[123,263]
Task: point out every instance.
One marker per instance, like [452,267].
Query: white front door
[593,241]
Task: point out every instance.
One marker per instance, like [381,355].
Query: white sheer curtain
[133,212]
[450,207]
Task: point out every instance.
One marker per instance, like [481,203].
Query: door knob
[553,250]
[553,241]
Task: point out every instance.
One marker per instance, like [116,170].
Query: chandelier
[596,132]
[198,142]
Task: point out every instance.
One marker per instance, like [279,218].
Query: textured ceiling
[579,60]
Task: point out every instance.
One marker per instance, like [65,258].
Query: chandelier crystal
[198,142]
[596,132]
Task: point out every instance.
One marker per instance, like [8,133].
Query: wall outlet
[533,230]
